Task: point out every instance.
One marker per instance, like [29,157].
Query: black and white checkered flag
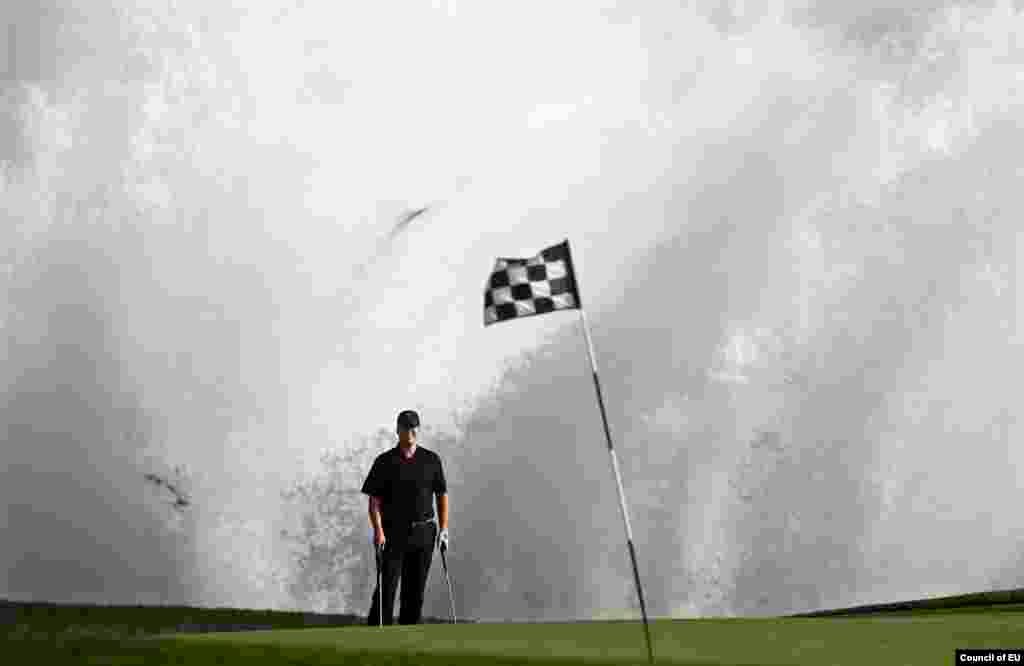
[537,285]
[522,287]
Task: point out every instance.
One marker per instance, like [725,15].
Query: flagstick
[618,482]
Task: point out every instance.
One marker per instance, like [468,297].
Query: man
[401,485]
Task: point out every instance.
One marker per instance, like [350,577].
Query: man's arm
[373,486]
[442,511]
[374,509]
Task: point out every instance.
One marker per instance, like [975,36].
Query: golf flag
[522,287]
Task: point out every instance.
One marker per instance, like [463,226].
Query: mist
[794,226]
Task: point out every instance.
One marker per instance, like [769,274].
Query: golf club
[444,564]
[380,588]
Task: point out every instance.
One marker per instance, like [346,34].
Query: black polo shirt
[405,486]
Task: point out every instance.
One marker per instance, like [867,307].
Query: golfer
[401,485]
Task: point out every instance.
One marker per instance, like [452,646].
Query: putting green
[906,639]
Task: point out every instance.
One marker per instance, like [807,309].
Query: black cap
[408,419]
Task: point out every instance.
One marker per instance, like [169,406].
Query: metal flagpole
[618,480]
[495,304]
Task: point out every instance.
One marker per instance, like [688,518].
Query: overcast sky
[794,224]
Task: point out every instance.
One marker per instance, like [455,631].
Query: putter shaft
[451,599]
[380,585]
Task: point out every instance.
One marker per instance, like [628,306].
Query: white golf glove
[442,539]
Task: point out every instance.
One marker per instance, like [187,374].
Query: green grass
[927,634]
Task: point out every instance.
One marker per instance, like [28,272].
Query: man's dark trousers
[407,556]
